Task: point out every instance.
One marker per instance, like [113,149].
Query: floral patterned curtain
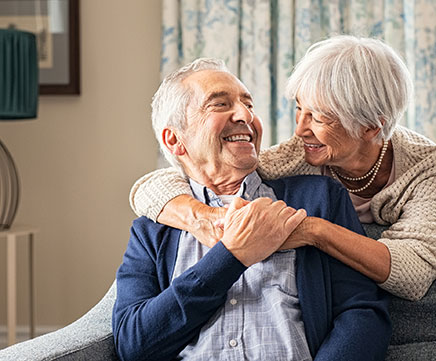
[261,40]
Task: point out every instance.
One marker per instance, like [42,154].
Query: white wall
[78,160]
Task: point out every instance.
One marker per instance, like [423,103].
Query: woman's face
[326,142]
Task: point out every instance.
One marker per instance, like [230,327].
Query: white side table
[11,235]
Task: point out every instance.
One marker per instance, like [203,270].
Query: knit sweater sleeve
[409,205]
[151,192]
[411,239]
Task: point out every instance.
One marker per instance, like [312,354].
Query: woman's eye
[298,108]
[316,120]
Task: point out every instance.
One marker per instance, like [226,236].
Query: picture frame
[56,26]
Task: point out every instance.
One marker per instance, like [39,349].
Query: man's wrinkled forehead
[208,85]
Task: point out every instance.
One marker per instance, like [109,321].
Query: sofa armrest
[88,338]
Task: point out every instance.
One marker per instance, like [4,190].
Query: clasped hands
[252,231]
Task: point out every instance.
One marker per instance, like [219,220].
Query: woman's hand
[207,226]
[189,214]
[304,235]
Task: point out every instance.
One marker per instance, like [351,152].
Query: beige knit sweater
[408,205]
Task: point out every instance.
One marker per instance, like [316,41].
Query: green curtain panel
[261,41]
[18,75]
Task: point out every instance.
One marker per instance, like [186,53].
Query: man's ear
[173,142]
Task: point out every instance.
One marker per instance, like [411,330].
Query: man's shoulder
[317,194]
[145,224]
[151,232]
[305,182]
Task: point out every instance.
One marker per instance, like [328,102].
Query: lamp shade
[18,100]
[18,75]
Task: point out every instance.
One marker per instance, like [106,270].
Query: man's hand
[255,230]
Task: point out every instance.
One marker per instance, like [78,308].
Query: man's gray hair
[360,81]
[172,98]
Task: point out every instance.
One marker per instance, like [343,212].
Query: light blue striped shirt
[261,319]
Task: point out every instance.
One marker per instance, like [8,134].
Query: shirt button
[233,343]
[233,301]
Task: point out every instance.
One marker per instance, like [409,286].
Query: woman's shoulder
[411,149]
[285,159]
[408,138]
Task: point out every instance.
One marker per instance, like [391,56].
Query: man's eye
[249,106]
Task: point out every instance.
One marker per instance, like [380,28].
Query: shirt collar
[249,186]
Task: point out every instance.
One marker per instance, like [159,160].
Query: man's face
[223,134]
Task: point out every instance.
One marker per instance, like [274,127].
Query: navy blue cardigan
[345,314]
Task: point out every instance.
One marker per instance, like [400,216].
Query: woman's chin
[314,161]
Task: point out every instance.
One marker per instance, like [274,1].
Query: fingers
[237,203]
[294,220]
[219,223]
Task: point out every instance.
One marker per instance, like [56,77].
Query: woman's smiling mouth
[312,147]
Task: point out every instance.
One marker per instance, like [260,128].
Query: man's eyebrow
[247,96]
[215,95]
[220,94]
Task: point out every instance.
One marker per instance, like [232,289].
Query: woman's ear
[370,134]
[172,141]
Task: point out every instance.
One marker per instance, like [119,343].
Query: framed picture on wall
[56,26]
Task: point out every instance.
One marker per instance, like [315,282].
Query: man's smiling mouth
[239,138]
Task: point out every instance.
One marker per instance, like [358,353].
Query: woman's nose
[303,124]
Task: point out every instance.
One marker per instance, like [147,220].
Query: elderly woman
[350,94]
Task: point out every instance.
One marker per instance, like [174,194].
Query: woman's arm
[154,190]
[411,239]
[364,254]
[165,195]
[403,260]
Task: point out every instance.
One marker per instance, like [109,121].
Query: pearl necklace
[374,170]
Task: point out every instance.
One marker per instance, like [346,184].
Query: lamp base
[9,188]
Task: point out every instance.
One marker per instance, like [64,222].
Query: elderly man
[242,299]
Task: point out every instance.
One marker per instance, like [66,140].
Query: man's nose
[242,113]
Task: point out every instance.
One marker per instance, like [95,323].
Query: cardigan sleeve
[361,323]
[345,313]
[151,322]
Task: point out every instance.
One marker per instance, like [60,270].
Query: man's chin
[246,163]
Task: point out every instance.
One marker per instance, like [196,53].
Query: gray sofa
[90,337]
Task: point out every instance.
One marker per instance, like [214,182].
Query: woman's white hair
[360,81]
[172,98]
